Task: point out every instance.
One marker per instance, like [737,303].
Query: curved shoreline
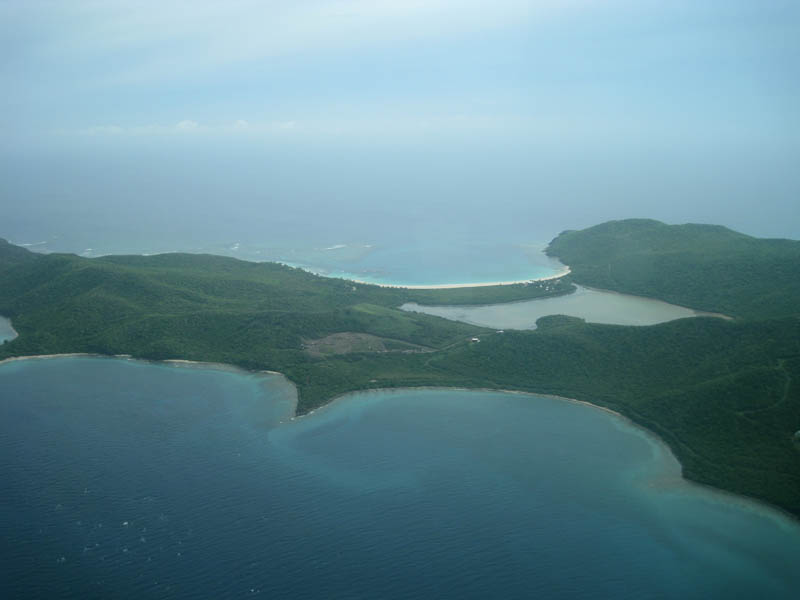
[750,501]
[764,508]
[346,395]
[170,362]
[449,286]
[698,313]
[592,305]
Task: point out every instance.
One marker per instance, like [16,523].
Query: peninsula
[723,394]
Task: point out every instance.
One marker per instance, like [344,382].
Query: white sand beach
[446,286]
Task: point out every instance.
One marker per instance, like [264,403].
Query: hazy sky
[583,110]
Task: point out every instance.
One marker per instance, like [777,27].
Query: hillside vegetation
[723,394]
[705,267]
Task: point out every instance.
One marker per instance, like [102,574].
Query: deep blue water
[133,480]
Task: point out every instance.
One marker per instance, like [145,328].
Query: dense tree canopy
[723,394]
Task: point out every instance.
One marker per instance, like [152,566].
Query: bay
[134,480]
[373,258]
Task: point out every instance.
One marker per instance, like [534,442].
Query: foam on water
[383,261]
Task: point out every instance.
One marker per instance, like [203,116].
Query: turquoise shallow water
[432,264]
[397,230]
[133,480]
[381,259]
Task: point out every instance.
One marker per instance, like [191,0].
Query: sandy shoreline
[172,362]
[177,362]
[46,356]
[763,507]
[180,362]
[751,503]
[448,286]
[466,389]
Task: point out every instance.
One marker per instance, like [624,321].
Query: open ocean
[124,479]
[415,215]
[341,212]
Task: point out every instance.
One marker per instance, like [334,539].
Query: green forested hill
[11,255]
[705,267]
[206,307]
[723,394]
[194,306]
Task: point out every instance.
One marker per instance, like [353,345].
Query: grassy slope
[724,395]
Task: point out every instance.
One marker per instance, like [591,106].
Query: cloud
[377,125]
[187,125]
[237,127]
[104,130]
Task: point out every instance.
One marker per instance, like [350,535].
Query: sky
[509,114]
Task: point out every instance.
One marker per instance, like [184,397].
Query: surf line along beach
[446,286]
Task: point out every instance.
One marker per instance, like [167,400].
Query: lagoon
[136,480]
[595,306]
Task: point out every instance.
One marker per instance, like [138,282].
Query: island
[723,394]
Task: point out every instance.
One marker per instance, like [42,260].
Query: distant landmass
[722,393]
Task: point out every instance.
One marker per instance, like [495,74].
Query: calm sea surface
[132,480]
[385,261]
[595,306]
[408,243]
